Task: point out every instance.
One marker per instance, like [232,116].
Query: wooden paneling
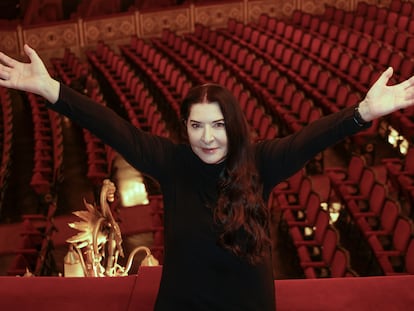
[280,9]
[112,29]
[9,42]
[216,16]
[152,23]
[51,40]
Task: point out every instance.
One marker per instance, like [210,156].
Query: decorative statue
[95,250]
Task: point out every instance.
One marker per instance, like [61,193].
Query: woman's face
[207,132]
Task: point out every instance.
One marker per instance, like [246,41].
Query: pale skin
[381,99]
[207,132]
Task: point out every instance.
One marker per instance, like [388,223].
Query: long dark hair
[240,211]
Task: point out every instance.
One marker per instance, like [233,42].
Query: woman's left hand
[383,99]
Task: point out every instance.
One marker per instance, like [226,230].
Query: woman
[217,250]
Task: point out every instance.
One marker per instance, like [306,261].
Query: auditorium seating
[406,264]
[48,155]
[253,74]
[315,81]
[311,236]
[34,254]
[327,259]
[304,213]
[380,219]
[131,93]
[208,66]
[377,51]
[306,218]
[391,250]
[71,71]
[157,72]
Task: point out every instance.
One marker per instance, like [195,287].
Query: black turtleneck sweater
[198,274]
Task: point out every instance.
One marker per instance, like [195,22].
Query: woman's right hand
[31,77]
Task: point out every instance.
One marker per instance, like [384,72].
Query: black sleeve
[145,152]
[280,158]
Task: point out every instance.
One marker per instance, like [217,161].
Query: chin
[211,160]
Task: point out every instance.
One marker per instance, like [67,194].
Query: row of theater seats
[199,63]
[357,59]
[34,255]
[6,138]
[71,71]
[129,90]
[375,207]
[378,47]
[293,62]
[141,110]
[48,148]
[338,59]
[353,95]
[266,79]
[308,223]
[361,206]
[401,7]
[292,87]
[191,61]
[400,173]
[161,76]
[355,56]
[68,68]
[367,15]
[376,42]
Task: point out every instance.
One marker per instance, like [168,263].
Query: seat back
[389,215]
[340,263]
[409,161]
[329,244]
[409,257]
[377,198]
[402,233]
[321,225]
[304,191]
[313,207]
[367,181]
[355,168]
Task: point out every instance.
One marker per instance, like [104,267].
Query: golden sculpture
[95,250]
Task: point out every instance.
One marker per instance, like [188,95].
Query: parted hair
[240,212]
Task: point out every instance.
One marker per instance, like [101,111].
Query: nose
[208,136]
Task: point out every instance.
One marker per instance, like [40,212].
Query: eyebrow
[215,121]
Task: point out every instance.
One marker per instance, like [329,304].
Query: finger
[33,56]
[407,84]
[385,76]
[5,71]
[5,75]
[7,61]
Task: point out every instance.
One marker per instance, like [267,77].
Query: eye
[195,125]
[219,124]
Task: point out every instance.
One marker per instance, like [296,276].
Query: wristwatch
[358,119]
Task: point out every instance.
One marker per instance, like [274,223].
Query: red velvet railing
[138,292]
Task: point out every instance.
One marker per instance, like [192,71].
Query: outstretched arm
[383,99]
[380,100]
[31,77]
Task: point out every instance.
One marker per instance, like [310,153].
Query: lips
[209,150]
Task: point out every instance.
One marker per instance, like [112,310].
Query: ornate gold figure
[95,250]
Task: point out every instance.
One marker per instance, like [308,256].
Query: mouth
[209,150]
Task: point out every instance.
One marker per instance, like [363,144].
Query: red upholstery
[138,292]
